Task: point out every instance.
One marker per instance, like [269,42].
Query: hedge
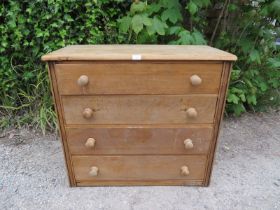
[31,28]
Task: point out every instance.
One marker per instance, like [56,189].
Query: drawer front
[137,78]
[138,167]
[139,140]
[139,109]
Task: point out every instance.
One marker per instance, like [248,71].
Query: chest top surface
[138,52]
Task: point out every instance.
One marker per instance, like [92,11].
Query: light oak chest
[139,114]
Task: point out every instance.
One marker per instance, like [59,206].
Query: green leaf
[232,98]
[172,14]
[124,24]
[192,8]
[185,37]
[157,27]
[232,7]
[170,3]
[275,82]
[12,24]
[146,20]
[238,109]
[263,86]
[246,44]
[137,7]
[27,75]
[251,99]
[154,8]
[202,3]
[264,10]
[236,90]
[242,97]
[175,30]
[235,74]
[198,38]
[68,18]
[275,7]
[137,23]
[274,62]
[151,30]
[255,56]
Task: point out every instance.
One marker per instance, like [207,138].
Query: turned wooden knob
[185,170]
[93,171]
[188,144]
[195,80]
[90,143]
[87,113]
[83,80]
[191,112]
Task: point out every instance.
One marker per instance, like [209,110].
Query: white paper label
[136,57]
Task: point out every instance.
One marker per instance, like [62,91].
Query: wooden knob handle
[83,80]
[93,171]
[191,112]
[195,80]
[90,143]
[185,170]
[188,144]
[87,113]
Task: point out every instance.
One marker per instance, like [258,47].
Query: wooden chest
[139,114]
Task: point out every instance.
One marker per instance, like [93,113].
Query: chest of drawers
[139,114]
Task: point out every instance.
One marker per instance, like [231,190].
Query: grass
[34,108]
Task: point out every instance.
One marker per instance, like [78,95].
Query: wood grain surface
[138,78]
[135,106]
[142,52]
[139,109]
[138,167]
[58,109]
[218,119]
[140,140]
[169,182]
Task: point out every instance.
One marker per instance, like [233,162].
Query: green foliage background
[31,28]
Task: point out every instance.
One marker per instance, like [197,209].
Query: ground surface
[246,174]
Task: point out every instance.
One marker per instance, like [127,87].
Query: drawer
[139,140]
[139,109]
[139,167]
[137,78]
